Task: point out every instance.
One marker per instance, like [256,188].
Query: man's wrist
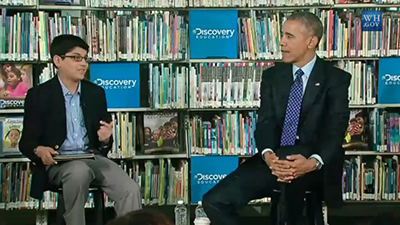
[267,157]
[265,151]
[313,164]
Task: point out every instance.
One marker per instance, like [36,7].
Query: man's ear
[313,43]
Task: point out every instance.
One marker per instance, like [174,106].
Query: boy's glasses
[77,58]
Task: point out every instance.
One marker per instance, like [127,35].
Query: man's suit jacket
[323,119]
[45,124]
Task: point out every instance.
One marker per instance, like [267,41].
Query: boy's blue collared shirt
[77,139]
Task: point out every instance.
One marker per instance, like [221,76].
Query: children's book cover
[356,134]
[161,133]
[15,80]
[12,128]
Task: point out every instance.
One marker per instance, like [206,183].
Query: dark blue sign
[213,34]
[371,20]
[121,82]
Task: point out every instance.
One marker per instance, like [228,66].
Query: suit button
[56,147]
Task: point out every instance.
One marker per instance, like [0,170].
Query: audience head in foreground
[142,217]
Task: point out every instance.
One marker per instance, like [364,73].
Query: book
[15,80]
[73,155]
[356,135]
[11,132]
[161,133]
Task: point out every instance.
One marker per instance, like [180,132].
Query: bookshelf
[172,56]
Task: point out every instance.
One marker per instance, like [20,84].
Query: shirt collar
[307,68]
[65,89]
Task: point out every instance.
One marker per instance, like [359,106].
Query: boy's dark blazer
[45,124]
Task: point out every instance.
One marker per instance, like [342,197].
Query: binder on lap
[74,155]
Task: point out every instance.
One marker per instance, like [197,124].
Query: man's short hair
[64,43]
[310,21]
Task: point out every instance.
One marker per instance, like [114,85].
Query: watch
[319,164]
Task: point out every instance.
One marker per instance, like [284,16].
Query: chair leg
[98,198]
[274,209]
[310,209]
[314,210]
[60,209]
[319,217]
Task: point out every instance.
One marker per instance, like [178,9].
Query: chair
[99,205]
[313,208]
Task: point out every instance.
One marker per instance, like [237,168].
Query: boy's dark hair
[64,43]
[142,217]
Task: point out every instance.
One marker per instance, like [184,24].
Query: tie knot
[299,73]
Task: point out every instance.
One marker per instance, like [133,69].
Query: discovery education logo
[120,81]
[391,79]
[11,103]
[213,34]
[209,178]
[116,84]
[207,171]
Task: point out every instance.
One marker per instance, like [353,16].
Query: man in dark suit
[68,115]
[301,124]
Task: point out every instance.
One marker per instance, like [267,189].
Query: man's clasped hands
[292,167]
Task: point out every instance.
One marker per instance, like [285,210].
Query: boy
[65,114]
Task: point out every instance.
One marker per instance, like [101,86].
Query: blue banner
[389,81]
[213,34]
[371,20]
[207,171]
[121,82]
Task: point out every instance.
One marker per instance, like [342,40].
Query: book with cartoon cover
[12,129]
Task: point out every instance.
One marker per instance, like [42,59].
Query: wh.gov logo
[213,33]
[208,178]
[371,20]
[115,83]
